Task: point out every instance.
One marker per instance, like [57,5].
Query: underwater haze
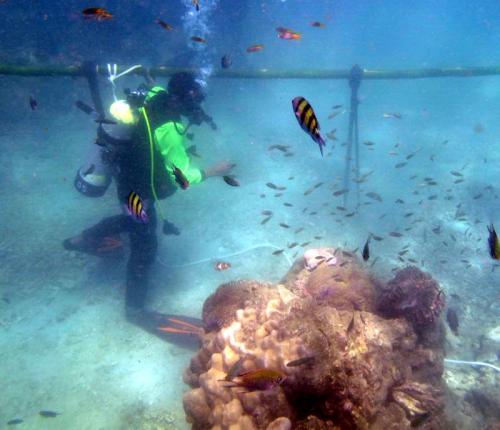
[417,185]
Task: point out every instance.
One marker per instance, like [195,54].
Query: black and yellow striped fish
[307,120]
[493,243]
[135,208]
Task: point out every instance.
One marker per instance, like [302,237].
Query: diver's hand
[148,77]
[170,228]
[220,169]
[210,121]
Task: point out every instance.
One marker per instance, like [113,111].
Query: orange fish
[198,39]
[260,379]
[255,48]
[317,24]
[222,265]
[164,25]
[180,178]
[287,34]
[98,13]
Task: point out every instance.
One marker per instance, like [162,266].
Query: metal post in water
[356,75]
[89,69]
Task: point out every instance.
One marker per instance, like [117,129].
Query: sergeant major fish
[307,120]
[135,208]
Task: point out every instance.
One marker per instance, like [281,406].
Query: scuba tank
[94,176]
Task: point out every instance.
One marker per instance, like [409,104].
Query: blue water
[64,342]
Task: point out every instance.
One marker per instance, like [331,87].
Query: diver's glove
[170,228]
[199,116]
[211,123]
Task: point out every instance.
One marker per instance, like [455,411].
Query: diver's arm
[146,74]
[171,145]
[220,169]
[181,160]
[199,116]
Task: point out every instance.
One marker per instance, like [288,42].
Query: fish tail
[321,143]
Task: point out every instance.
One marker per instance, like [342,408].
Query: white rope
[113,75]
[472,363]
[222,257]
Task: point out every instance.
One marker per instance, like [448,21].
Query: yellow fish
[307,120]
[260,379]
[136,209]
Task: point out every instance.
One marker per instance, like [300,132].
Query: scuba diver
[142,148]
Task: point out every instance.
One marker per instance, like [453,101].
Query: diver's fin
[167,329]
[170,228]
[84,107]
[186,323]
[107,246]
[180,325]
[179,329]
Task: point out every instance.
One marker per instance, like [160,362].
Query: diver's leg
[108,226]
[143,249]
[101,239]
[183,331]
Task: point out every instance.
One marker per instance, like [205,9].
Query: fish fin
[321,143]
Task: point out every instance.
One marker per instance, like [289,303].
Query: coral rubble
[372,368]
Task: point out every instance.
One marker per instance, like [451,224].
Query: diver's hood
[115,134]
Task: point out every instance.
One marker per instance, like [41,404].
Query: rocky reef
[350,351]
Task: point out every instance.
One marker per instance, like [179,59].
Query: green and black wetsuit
[133,170]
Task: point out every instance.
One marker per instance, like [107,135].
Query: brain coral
[368,371]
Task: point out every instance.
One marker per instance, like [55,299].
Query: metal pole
[89,69]
[54,71]
[355,78]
